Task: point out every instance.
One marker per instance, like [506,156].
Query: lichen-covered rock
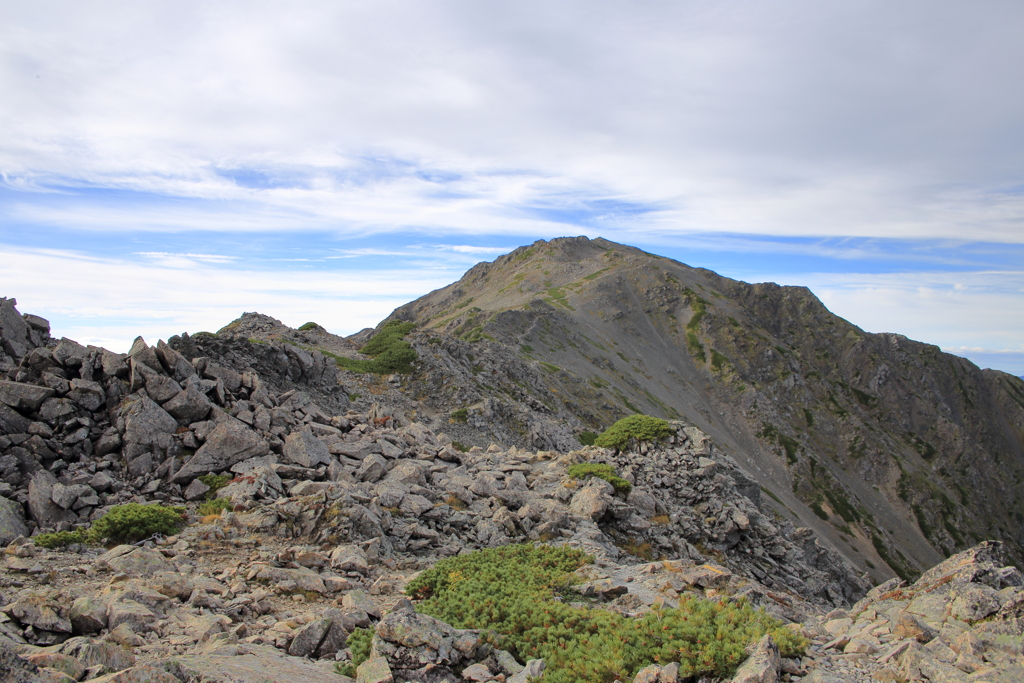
[230,442]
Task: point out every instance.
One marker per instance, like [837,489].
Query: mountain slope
[899,453]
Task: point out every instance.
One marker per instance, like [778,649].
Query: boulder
[161,388]
[135,561]
[96,653]
[244,663]
[144,673]
[27,397]
[189,405]
[230,442]
[592,501]
[12,422]
[41,507]
[374,670]
[88,615]
[12,521]
[372,468]
[762,666]
[14,669]
[350,558]
[39,611]
[144,420]
[305,450]
[87,394]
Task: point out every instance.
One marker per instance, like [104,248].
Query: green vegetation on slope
[390,351]
[123,524]
[639,427]
[514,592]
[601,471]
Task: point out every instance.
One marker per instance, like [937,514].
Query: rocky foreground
[332,510]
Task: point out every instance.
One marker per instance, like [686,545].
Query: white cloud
[867,119]
[112,300]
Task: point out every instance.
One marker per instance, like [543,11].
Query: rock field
[335,505]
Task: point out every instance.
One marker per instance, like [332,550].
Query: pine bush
[515,594]
[639,427]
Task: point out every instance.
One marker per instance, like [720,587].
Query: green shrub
[639,427]
[214,506]
[308,326]
[514,593]
[460,415]
[59,539]
[216,482]
[359,642]
[601,471]
[460,447]
[588,438]
[122,524]
[390,351]
[133,522]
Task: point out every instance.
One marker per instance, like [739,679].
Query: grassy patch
[213,506]
[718,361]
[549,367]
[514,594]
[460,415]
[308,326]
[588,438]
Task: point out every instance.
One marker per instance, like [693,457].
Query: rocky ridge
[334,509]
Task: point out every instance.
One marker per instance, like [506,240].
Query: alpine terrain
[581,462]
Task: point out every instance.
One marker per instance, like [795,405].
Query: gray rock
[350,558]
[41,507]
[12,422]
[108,443]
[305,450]
[592,501]
[14,330]
[196,490]
[307,641]
[97,653]
[178,367]
[67,496]
[12,521]
[372,468]
[88,615]
[762,666]
[14,669]
[189,405]
[101,481]
[533,669]
[135,561]
[145,421]
[358,599]
[38,611]
[55,411]
[161,388]
[357,450]
[244,663]
[374,670]
[20,396]
[87,394]
[231,379]
[230,442]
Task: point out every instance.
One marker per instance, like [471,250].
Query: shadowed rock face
[888,438]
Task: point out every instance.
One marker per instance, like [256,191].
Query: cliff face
[900,453]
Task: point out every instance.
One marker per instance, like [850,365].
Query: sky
[167,166]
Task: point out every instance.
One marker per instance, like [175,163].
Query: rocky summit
[265,503]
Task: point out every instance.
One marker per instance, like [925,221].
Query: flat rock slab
[256,664]
[229,443]
[135,561]
[23,396]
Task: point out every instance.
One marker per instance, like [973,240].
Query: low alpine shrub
[59,539]
[122,524]
[359,642]
[601,471]
[134,521]
[216,482]
[389,350]
[513,593]
[639,427]
[308,326]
